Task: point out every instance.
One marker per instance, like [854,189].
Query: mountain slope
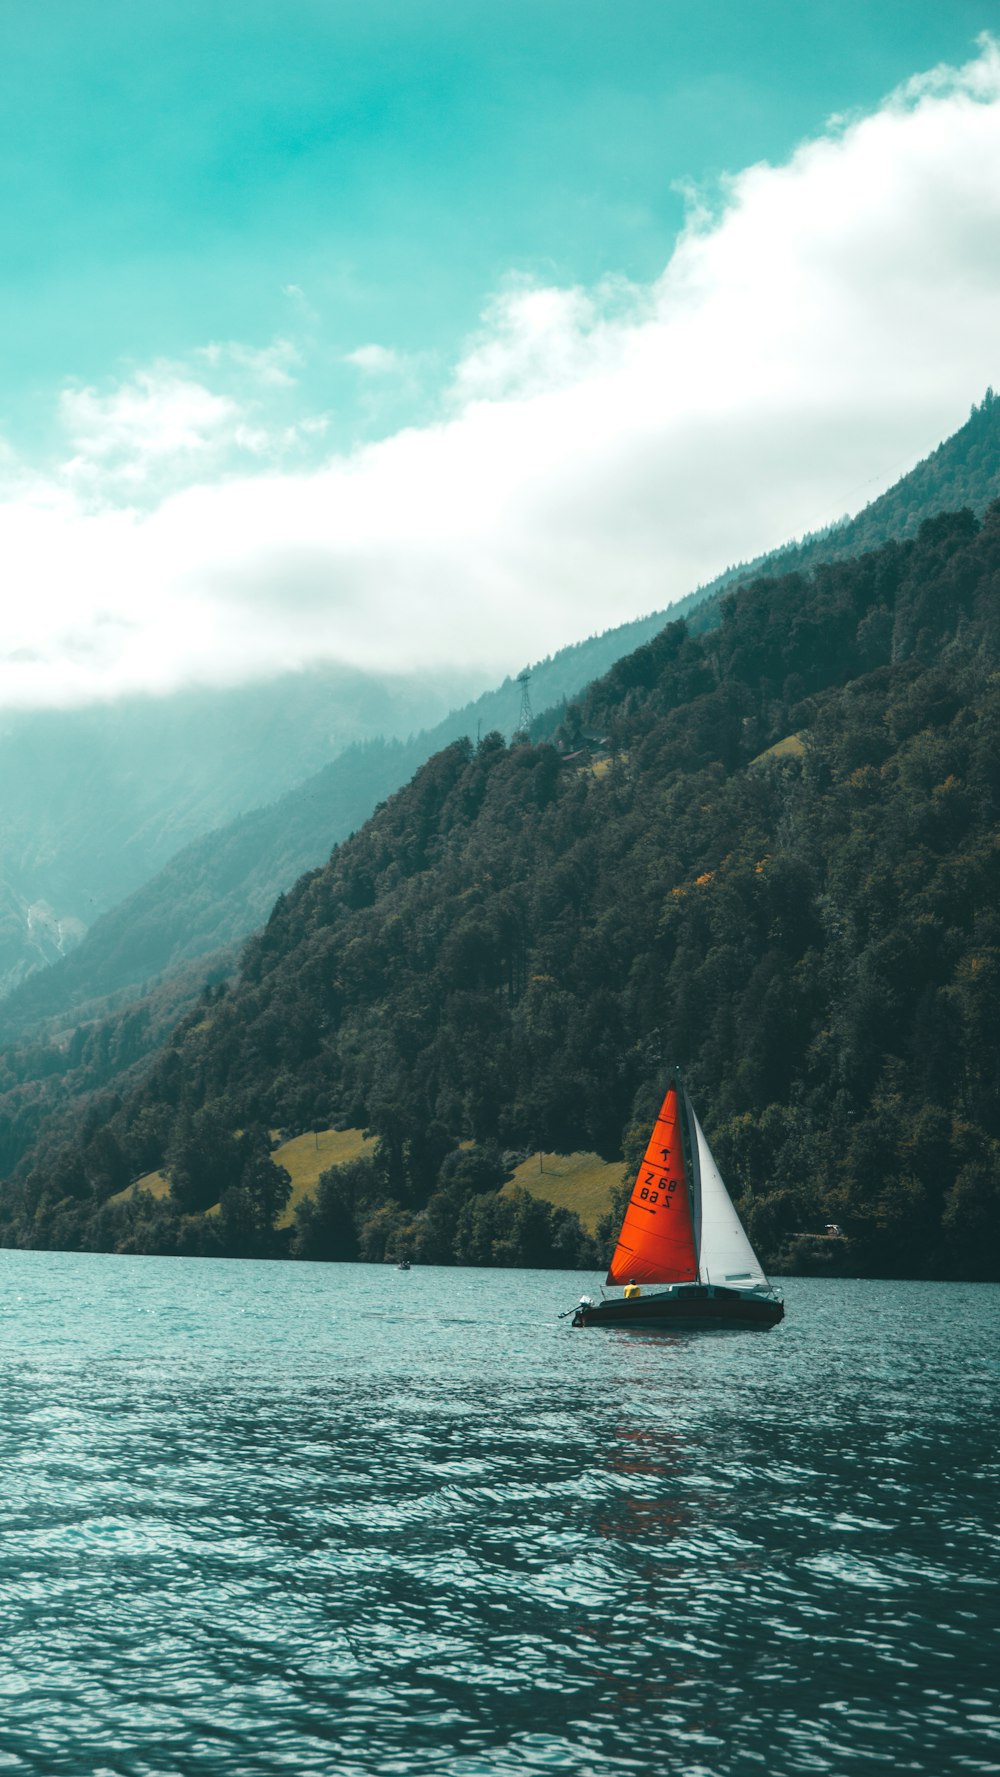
[216,891]
[73,859]
[511,952]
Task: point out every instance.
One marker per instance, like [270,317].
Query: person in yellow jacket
[632,1290]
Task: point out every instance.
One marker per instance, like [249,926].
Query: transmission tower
[522,732]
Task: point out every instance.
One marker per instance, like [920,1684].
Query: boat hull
[694,1307]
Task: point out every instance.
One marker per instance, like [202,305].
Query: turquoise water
[311,1519]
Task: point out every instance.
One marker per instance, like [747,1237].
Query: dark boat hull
[695,1307]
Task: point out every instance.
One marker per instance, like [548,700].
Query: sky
[414,334]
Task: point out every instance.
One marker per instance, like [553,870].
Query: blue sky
[243,242]
[173,168]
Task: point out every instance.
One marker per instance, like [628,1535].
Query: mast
[692,1165]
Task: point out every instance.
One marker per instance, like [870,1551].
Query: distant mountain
[222,886]
[783,872]
[94,801]
[31,935]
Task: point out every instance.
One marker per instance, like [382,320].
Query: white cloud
[164,427]
[270,365]
[375,360]
[598,452]
[535,340]
[158,420]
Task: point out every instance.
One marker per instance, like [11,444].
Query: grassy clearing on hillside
[583,1182]
[792,747]
[306,1156]
[156,1183]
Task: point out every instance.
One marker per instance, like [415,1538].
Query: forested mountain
[782,873]
[218,888]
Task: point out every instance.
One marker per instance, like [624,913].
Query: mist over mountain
[191,758]
[198,759]
[222,885]
[780,872]
[95,800]
[963,471]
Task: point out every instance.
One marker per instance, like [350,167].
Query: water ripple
[269,1519]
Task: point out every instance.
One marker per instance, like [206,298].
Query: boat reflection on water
[653,1523]
[654,1462]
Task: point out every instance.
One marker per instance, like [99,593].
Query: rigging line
[692,1168]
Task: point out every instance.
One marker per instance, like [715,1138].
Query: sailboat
[681,1230]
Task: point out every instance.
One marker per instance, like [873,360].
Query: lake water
[315,1519]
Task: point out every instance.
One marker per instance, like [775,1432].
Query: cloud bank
[595,455]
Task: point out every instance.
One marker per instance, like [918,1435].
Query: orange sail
[656,1243]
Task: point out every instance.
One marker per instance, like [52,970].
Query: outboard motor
[580,1317]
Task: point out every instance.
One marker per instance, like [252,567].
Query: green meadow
[304,1158]
[581,1182]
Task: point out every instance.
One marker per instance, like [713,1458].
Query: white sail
[724,1253]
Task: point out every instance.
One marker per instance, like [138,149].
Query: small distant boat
[681,1230]
[404,1265]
